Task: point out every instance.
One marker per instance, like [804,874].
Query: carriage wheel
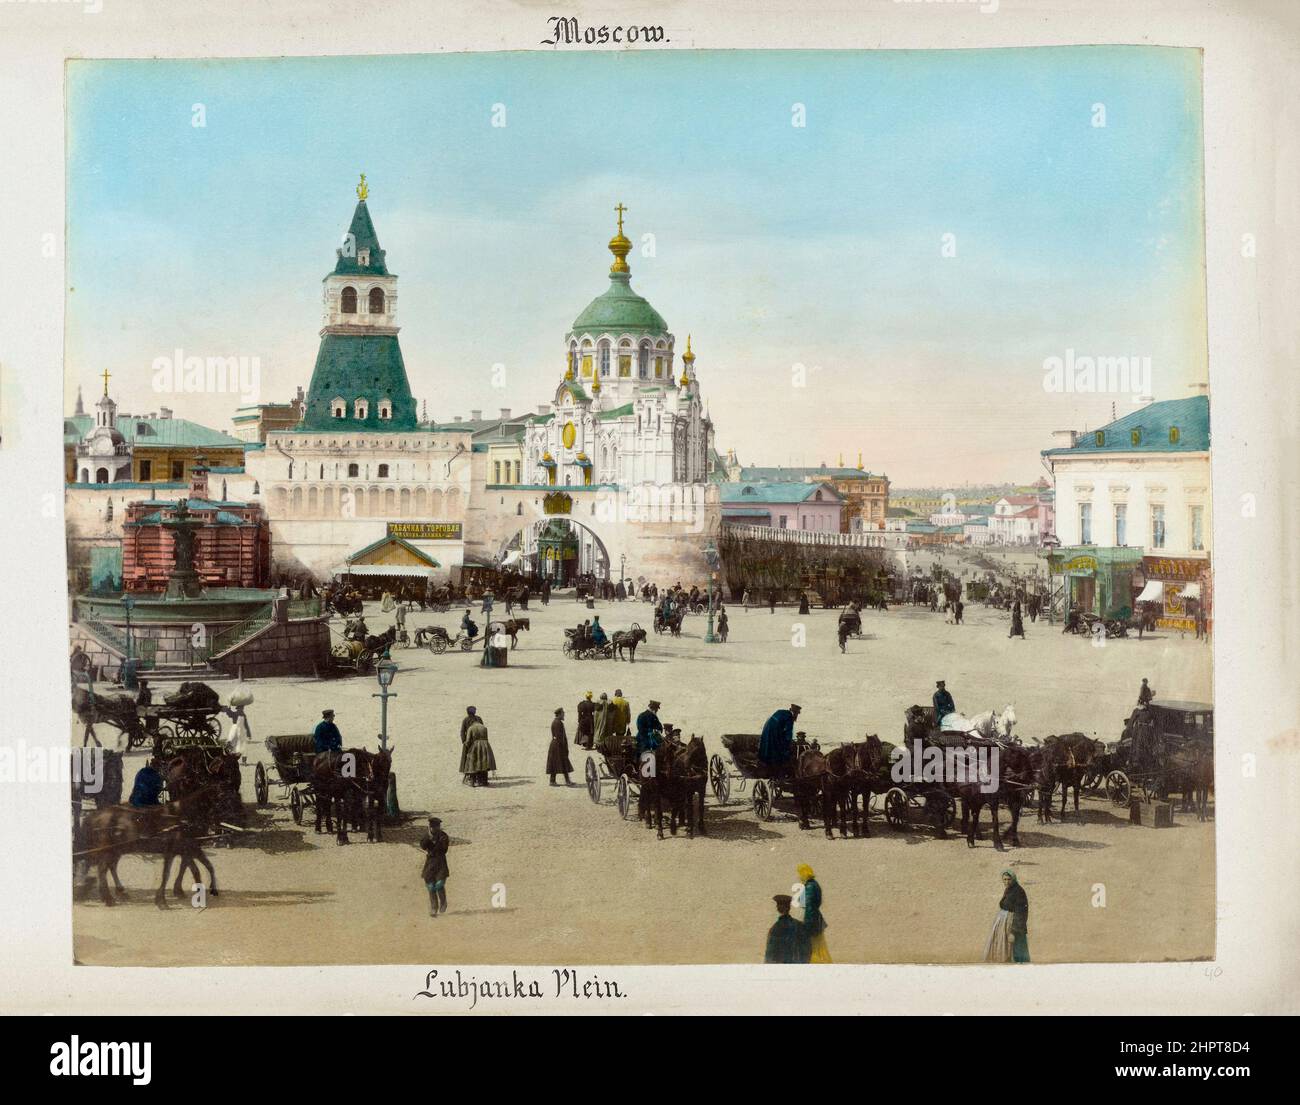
[593,780]
[260,788]
[949,811]
[762,799]
[623,796]
[1118,788]
[437,645]
[719,780]
[466,645]
[897,812]
[295,805]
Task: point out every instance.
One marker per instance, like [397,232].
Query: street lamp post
[128,676]
[385,670]
[711,555]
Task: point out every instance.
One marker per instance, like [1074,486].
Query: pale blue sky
[773,244]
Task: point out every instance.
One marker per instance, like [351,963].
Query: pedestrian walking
[814,922]
[803,602]
[958,609]
[787,939]
[1017,622]
[621,721]
[723,625]
[435,871]
[603,725]
[586,722]
[476,757]
[1009,940]
[771,601]
[557,755]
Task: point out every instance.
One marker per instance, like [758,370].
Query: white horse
[990,724]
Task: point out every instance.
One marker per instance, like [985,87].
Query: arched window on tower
[643,364]
[360,408]
[385,410]
[624,359]
[376,301]
[604,358]
[348,301]
[339,407]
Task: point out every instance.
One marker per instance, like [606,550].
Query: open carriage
[767,784]
[292,758]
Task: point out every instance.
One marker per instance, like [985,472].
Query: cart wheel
[718,779]
[466,645]
[1118,788]
[295,806]
[623,796]
[897,815]
[762,799]
[949,812]
[259,785]
[593,780]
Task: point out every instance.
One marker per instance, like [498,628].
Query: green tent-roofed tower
[359,382]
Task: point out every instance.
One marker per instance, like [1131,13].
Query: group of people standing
[792,941]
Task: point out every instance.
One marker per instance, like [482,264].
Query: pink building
[815,507]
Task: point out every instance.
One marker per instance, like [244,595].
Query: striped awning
[415,571]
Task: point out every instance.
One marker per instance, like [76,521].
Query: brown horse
[350,788]
[195,767]
[513,627]
[1066,760]
[110,833]
[807,782]
[654,778]
[853,770]
[687,784]
[1016,777]
[1191,772]
[627,639]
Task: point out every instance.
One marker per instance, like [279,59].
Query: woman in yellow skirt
[813,920]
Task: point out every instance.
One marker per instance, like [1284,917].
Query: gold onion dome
[619,245]
[595,382]
[688,356]
[568,368]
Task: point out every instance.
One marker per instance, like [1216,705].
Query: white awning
[1191,591]
[1154,591]
[414,571]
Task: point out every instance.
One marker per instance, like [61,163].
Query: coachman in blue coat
[148,786]
[327,737]
[943,703]
[649,730]
[776,745]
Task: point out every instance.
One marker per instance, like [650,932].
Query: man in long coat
[586,722]
[943,703]
[476,758]
[604,730]
[471,716]
[649,730]
[557,755]
[435,871]
[776,745]
[621,714]
[787,940]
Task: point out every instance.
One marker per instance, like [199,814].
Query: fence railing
[816,537]
[235,635]
[107,634]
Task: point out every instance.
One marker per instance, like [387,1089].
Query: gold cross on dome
[620,209]
[105,381]
[363,189]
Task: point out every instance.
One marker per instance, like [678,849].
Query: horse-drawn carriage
[581,646]
[672,624]
[359,651]
[350,787]
[1166,746]
[675,775]
[799,779]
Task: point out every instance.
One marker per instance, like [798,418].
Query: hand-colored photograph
[674,507]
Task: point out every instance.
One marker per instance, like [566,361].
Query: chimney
[505,413]
[476,416]
[456,418]
[165,412]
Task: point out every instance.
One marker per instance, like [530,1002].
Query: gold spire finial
[841,463]
[619,245]
[688,356]
[595,382]
[363,189]
[860,460]
[105,381]
[568,367]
